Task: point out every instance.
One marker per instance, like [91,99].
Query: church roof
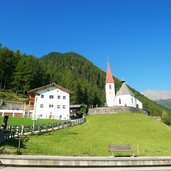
[109,77]
[124,90]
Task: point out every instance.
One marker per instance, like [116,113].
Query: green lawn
[93,137]
[26,121]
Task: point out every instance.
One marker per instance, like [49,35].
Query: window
[119,101]
[42,96]
[58,106]
[64,97]
[58,97]
[41,105]
[50,105]
[64,106]
[110,86]
[132,100]
[51,96]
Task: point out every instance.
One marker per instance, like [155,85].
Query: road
[2,168]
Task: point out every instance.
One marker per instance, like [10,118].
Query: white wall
[45,107]
[125,100]
[110,94]
[139,104]
[128,100]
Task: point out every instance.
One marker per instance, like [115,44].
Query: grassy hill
[93,137]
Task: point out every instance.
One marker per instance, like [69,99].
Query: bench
[120,148]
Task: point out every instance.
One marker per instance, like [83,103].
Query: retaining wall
[115,109]
[57,161]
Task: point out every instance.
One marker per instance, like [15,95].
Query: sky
[133,35]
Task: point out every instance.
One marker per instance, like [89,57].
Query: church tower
[109,88]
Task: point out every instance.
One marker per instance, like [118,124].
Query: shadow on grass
[13,146]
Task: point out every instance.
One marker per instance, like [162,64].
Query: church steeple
[109,77]
[109,88]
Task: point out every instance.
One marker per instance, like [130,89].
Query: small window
[42,96]
[110,86]
[119,101]
[64,106]
[64,97]
[51,96]
[58,106]
[58,97]
[132,100]
[41,105]
[50,105]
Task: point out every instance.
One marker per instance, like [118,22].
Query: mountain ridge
[157,94]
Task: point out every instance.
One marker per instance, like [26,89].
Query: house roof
[75,106]
[33,91]
[124,90]
[109,77]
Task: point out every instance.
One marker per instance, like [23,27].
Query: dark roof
[33,91]
[124,90]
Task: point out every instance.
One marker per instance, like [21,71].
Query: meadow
[93,137]
[25,121]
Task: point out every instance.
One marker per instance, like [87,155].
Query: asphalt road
[2,168]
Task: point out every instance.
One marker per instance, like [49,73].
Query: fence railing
[16,131]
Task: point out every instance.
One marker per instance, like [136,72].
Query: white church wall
[110,94]
[52,103]
[125,100]
[139,104]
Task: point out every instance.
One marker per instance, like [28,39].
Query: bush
[83,110]
[166,118]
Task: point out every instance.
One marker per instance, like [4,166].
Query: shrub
[166,118]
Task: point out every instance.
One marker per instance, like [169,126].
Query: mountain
[20,73]
[165,103]
[157,94]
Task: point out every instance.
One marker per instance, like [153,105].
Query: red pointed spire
[109,77]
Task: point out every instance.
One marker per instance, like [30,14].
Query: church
[123,97]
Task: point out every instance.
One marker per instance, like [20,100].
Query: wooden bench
[120,148]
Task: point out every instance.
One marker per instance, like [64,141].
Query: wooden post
[138,151]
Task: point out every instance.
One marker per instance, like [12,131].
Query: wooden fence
[16,131]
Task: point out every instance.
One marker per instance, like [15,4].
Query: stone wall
[115,109]
[7,105]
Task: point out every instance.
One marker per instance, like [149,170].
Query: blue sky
[134,34]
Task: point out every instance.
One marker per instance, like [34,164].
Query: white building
[124,97]
[51,101]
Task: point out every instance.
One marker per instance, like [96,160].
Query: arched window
[119,101]
[110,86]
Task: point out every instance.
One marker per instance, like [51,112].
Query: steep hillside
[78,74]
[21,72]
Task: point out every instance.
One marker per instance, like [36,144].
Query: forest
[20,72]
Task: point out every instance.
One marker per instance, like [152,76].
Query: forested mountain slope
[21,72]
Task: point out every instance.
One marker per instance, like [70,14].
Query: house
[124,97]
[50,101]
